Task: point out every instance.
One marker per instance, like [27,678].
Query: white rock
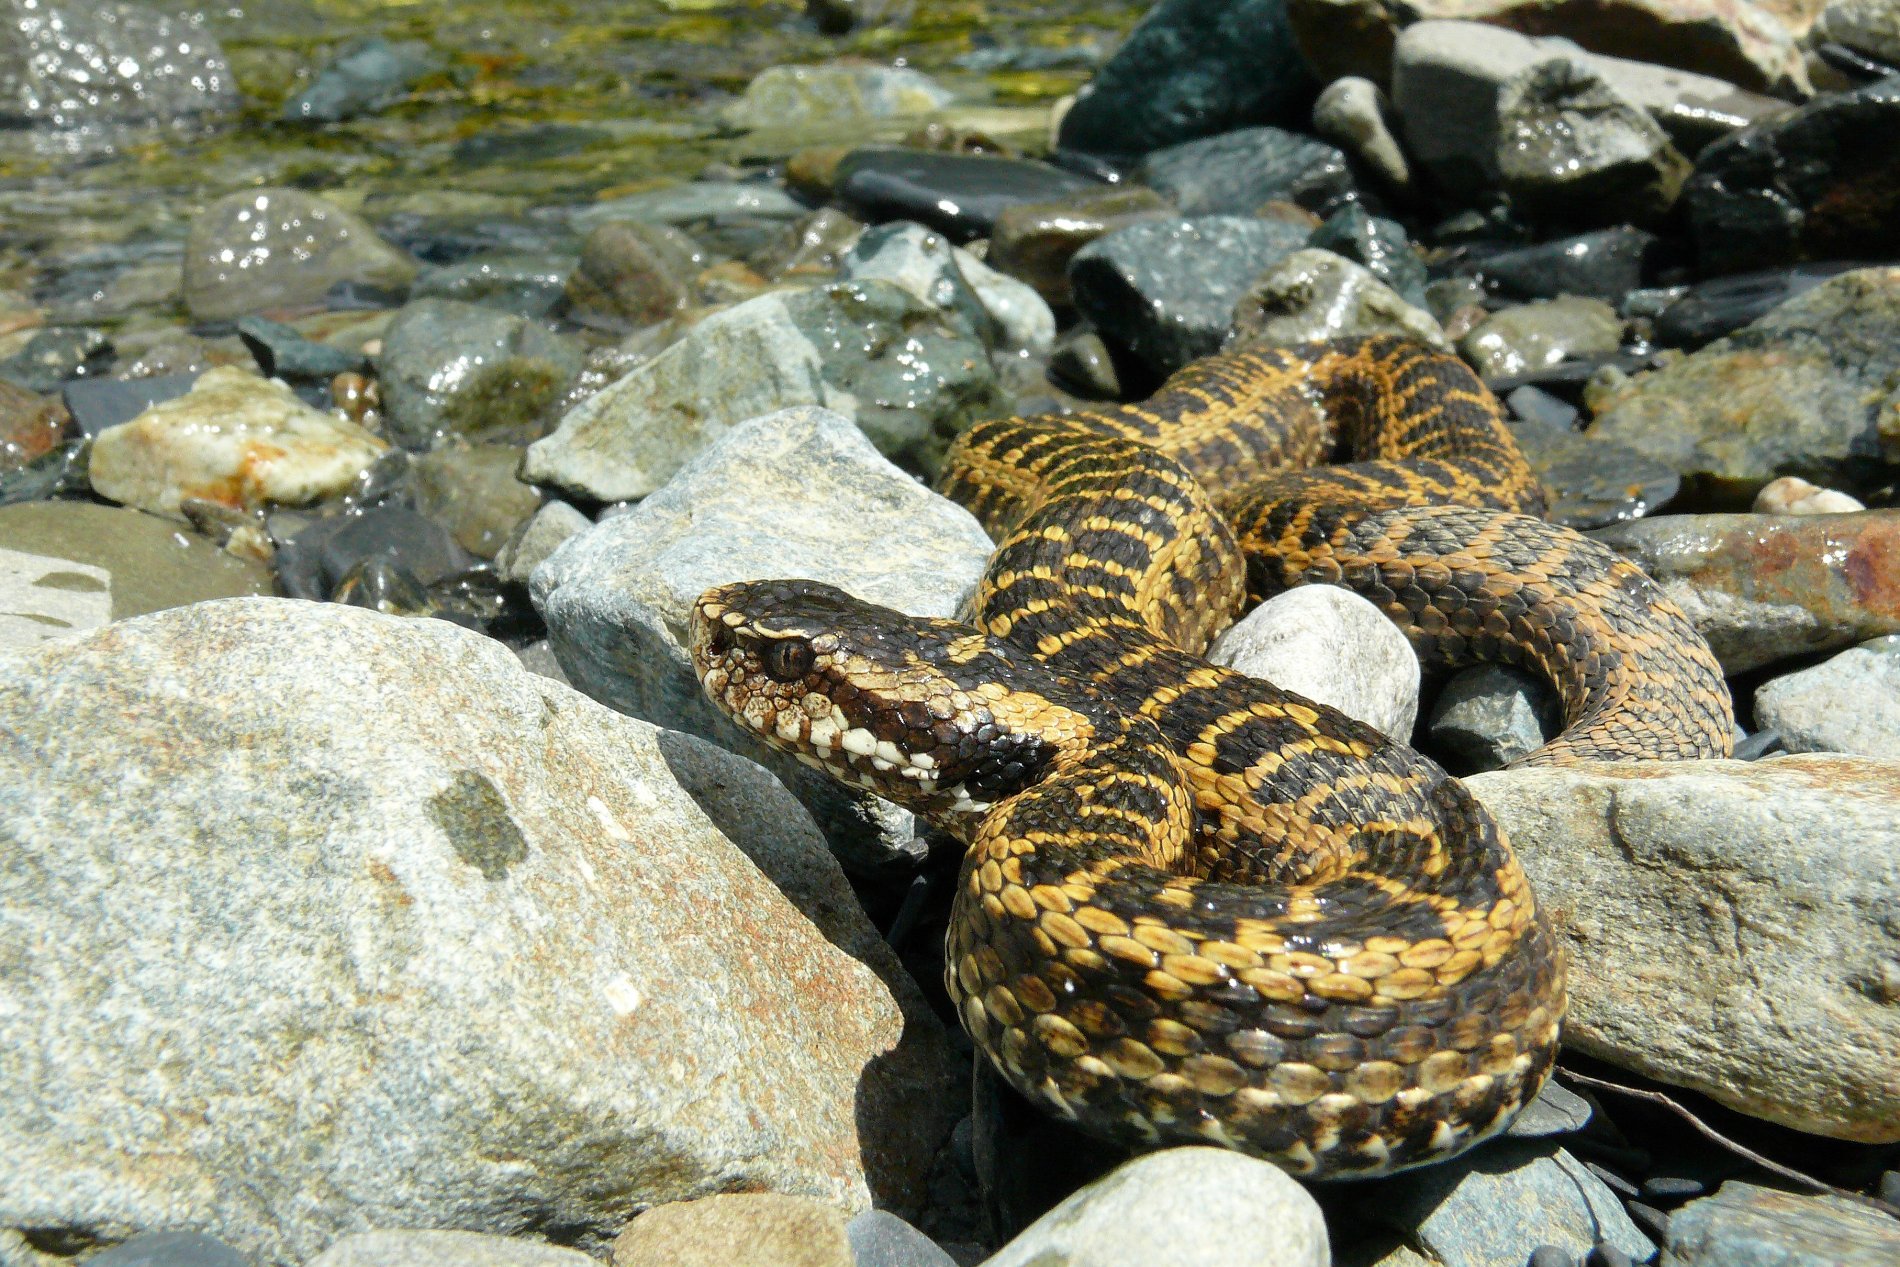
[1792,495]
[1332,646]
[234,439]
[1352,114]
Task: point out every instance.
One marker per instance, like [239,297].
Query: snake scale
[1196,908]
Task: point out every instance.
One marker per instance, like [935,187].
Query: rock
[1539,335]
[1035,241]
[1605,264]
[729,217]
[281,351]
[499,922]
[1189,1207]
[1867,26]
[1504,1202]
[1233,173]
[52,357]
[234,439]
[1807,390]
[472,491]
[83,63]
[632,273]
[912,377]
[1711,46]
[1723,305]
[415,1248]
[1333,646]
[1490,715]
[365,76]
[1763,588]
[66,567]
[1592,482]
[1378,243]
[738,1229]
[1745,1225]
[98,403]
[1314,294]
[170,1249]
[323,558]
[1718,915]
[1554,1111]
[796,493]
[881,1239]
[1815,184]
[1573,150]
[1191,68]
[281,248]
[1356,115]
[1025,325]
[1083,364]
[1165,290]
[1792,495]
[537,538]
[527,283]
[1547,414]
[450,368]
[1009,314]
[1850,703]
[959,195]
[833,95]
[31,426]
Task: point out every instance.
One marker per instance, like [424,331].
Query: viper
[1195,907]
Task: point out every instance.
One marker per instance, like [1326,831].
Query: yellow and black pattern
[1195,907]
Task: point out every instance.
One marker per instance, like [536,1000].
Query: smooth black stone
[879,1238]
[1377,243]
[1551,1256]
[1165,290]
[1537,406]
[1851,61]
[1722,306]
[1234,173]
[56,356]
[1613,1181]
[1193,68]
[1762,743]
[959,195]
[1821,182]
[1654,1222]
[452,239]
[282,352]
[170,1249]
[315,562]
[98,403]
[1605,264]
[1607,1255]
[1673,1188]
[364,77]
[1096,167]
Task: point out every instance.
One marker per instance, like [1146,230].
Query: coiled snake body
[1196,908]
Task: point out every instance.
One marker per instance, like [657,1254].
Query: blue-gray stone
[881,1239]
[98,403]
[364,77]
[455,367]
[526,283]
[1165,289]
[1605,264]
[170,1249]
[54,356]
[1378,244]
[1192,68]
[283,352]
[1234,173]
[1744,1225]
[1723,305]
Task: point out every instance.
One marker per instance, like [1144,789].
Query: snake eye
[788,659]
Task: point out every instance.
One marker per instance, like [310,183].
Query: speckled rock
[417,1248]
[796,493]
[1806,390]
[451,368]
[1573,150]
[1850,703]
[1814,184]
[1166,289]
[1749,903]
[1589,481]
[1235,172]
[738,1229]
[1490,715]
[1537,335]
[1496,1207]
[793,96]
[1355,114]
[1315,294]
[1188,1207]
[859,348]
[77,63]
[632,273]
[1378,243]
[277,248]
[1763,588]
[234,439]
[1746,1225]
[170,1249]
[1333,646]
[1191,68]
[537,538]
[1008,314]
[499,922]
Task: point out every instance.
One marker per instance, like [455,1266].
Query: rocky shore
[378,888]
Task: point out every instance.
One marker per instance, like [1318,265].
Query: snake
[1193,907]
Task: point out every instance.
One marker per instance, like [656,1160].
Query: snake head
[930,714]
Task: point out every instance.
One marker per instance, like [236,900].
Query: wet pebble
[1235,172]
[1792,495]
[729,217]
[1035,241]
[632,273]
[1591,482]
[1491,715]
[1722,305]
[536,538]
[1541,335]
[1571,149]
[275,248]
[316,561]
[81,63]
[1315,294]
[529,284]
[1867,26]
[463,369]
[1604,264]
[960,195]
[363,77]
[56,356]
[1379,244]
[1356,115]
[834,95]
[471,490]
[282,351]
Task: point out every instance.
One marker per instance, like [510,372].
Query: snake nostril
[720,640]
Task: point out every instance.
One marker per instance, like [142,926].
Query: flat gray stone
[1187,1207]
[412,1248]
[800,493]
[1332,646]
[506,943]
[1719,914]
[881,1239]
[1850,703]
[1536,336]
[1745,1225]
